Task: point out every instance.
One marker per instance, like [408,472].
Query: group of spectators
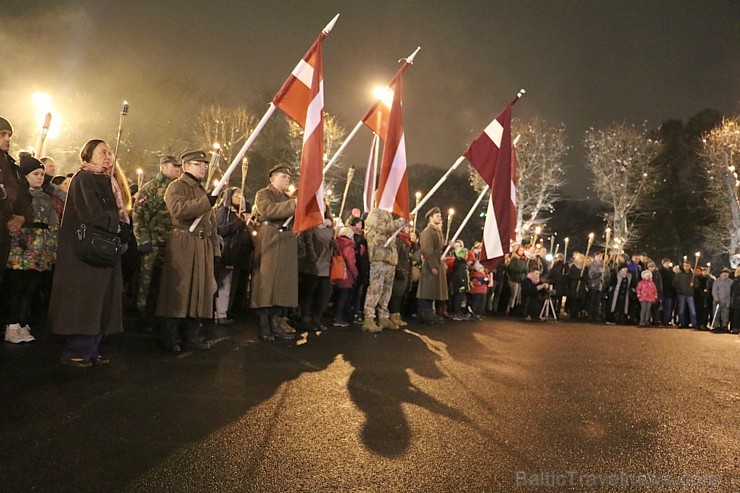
[623,289]
[188,256]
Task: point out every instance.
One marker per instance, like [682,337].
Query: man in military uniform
[379,226]
[189,257]
[275,263]
[433,281]
[152,226]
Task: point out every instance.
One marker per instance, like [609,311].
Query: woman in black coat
[86,299]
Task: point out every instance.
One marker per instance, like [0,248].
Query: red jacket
[478,283]
[347,250]
[646,291]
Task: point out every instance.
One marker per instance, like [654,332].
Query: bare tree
[723,235]
[229,127]
[539,171]
[334,133]
[621,158]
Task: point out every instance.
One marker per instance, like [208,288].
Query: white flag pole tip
[330,26]
[410,59]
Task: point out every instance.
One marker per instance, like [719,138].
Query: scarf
[405,237]
[110,171]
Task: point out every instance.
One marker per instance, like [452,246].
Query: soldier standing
[433,281]
[189,258]
[275,263]
[152,226]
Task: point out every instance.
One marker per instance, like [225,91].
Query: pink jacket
[646,291]
[347,250]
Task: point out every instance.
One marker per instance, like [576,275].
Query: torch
[124,113]
[139,177]
[215,153]
[416,209]
[552,241]
[44,133]
[693,271]
[450,213]
[245,168]
[537,232]
[608,233]
[565,249]
[350,174]
[583,267]
[557,248]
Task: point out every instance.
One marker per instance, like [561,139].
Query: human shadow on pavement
[380,384]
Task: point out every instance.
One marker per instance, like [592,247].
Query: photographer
[534,292]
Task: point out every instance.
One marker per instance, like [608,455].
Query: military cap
[432,211]
[5,125]
[168,160]
[281,168]
[198,155]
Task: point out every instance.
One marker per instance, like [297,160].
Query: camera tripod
[548,309]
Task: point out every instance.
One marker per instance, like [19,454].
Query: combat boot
[396,319]
[369,325]
[277,330]
[13,334]
[385,323]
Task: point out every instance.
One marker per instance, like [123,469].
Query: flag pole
[428,196]
[341,147]
[465,221]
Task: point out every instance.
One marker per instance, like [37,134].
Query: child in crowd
[32,251]
[478,290]
[647,294]
[346,246]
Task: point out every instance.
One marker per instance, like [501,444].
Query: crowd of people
[91,246]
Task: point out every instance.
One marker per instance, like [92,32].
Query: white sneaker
[13,334]
[26,334]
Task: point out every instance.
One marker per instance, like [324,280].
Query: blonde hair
[124,186]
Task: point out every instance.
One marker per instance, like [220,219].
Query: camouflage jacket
[379,226]
[152,222]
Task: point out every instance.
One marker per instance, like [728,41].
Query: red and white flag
[368,197]
[491,154]
[386,120]
[302,99]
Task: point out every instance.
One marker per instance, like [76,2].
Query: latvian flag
[491,155]
[302,99]
[387,121]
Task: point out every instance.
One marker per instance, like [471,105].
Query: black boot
[191,336]
[264,327]
[277,330]
[170,334]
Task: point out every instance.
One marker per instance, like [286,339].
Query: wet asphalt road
[497,406]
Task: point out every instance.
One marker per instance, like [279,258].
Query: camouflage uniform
[379,226]
[152,225]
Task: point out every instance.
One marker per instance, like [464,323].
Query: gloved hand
[146,248]
[212,199]
[125,232]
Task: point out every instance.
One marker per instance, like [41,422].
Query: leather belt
[197,234]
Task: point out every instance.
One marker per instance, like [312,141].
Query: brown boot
[386,323]
[369,325]
[397,320]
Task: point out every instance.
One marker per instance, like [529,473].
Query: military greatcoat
[275,264]
[432,287]
[188,283]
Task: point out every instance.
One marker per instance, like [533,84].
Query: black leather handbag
[97,247]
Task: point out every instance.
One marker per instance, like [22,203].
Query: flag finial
[410,59]
[330,26]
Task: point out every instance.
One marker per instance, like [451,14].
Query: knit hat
[5,125]
[646,274]
[30,163]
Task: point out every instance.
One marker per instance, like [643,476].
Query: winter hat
[29,163]
[646,274]
[5,125]
[346,231]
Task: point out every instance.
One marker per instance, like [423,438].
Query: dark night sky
[582,63]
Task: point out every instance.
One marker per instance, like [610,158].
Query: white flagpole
[465,221]
[341,147]
[428,196]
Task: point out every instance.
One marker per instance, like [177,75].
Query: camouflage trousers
[379,290]
[150,274]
